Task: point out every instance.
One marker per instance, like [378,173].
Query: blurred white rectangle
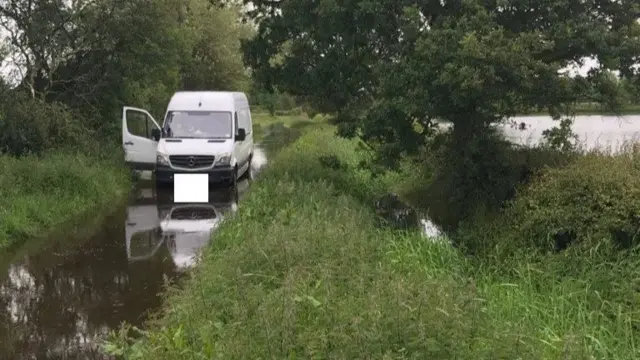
[191,188]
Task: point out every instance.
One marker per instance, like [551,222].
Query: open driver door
[140,136]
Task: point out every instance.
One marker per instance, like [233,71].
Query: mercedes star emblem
[192,161]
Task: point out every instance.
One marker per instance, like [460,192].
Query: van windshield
[198,125]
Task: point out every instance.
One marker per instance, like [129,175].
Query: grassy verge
[303,272]
[274,132]
[42,194]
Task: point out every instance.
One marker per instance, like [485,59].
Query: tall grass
[303,272]
[273,132]
[40,194]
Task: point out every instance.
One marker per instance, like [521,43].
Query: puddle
[60,303]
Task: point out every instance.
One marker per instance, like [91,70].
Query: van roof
[206,100]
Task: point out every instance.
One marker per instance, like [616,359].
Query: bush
[275,103]
[477,179]
[32,126]
[592,203]
[309,110]
[595,199]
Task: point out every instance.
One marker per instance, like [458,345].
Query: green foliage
[477,177]
[289,237]
[98,56]
[272,102]
[341,155]
[632,87]
[42,193]
[595,199]
[35,126]
[561,137]
[332,162]
[390,69]
[215,60]
[114,63]
[302,271]
[275,132]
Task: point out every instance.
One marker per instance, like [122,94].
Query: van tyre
[233,183]
[248,174]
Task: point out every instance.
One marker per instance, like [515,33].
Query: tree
[215,61]
[390,69]
[87,55]
[97,55]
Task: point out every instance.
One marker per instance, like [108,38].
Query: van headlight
[162,158]
[223,159]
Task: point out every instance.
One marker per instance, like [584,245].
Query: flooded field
[58,302]
[595,131]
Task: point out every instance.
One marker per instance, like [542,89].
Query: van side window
[248,119]
[245,120]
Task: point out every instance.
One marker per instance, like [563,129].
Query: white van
[202,132]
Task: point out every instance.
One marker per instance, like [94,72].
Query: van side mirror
[156,134]
[241,135]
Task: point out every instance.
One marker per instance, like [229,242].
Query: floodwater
[594,131]
[59,303]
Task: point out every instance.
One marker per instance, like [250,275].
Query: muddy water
[59,303]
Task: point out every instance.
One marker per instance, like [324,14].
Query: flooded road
[59,303]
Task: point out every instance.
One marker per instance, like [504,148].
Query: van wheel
[233,183]
[248,174]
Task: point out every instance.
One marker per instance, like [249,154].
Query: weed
[42,193]
[302,271]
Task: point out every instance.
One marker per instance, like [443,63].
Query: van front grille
[191,161]
[193,213]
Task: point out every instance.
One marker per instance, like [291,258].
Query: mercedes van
[202,132]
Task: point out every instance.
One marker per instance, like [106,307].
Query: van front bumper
[165,174]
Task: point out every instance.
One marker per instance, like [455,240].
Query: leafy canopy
[389,68]
[98,55]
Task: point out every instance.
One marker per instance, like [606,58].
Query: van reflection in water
[61,299]
[182,229]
